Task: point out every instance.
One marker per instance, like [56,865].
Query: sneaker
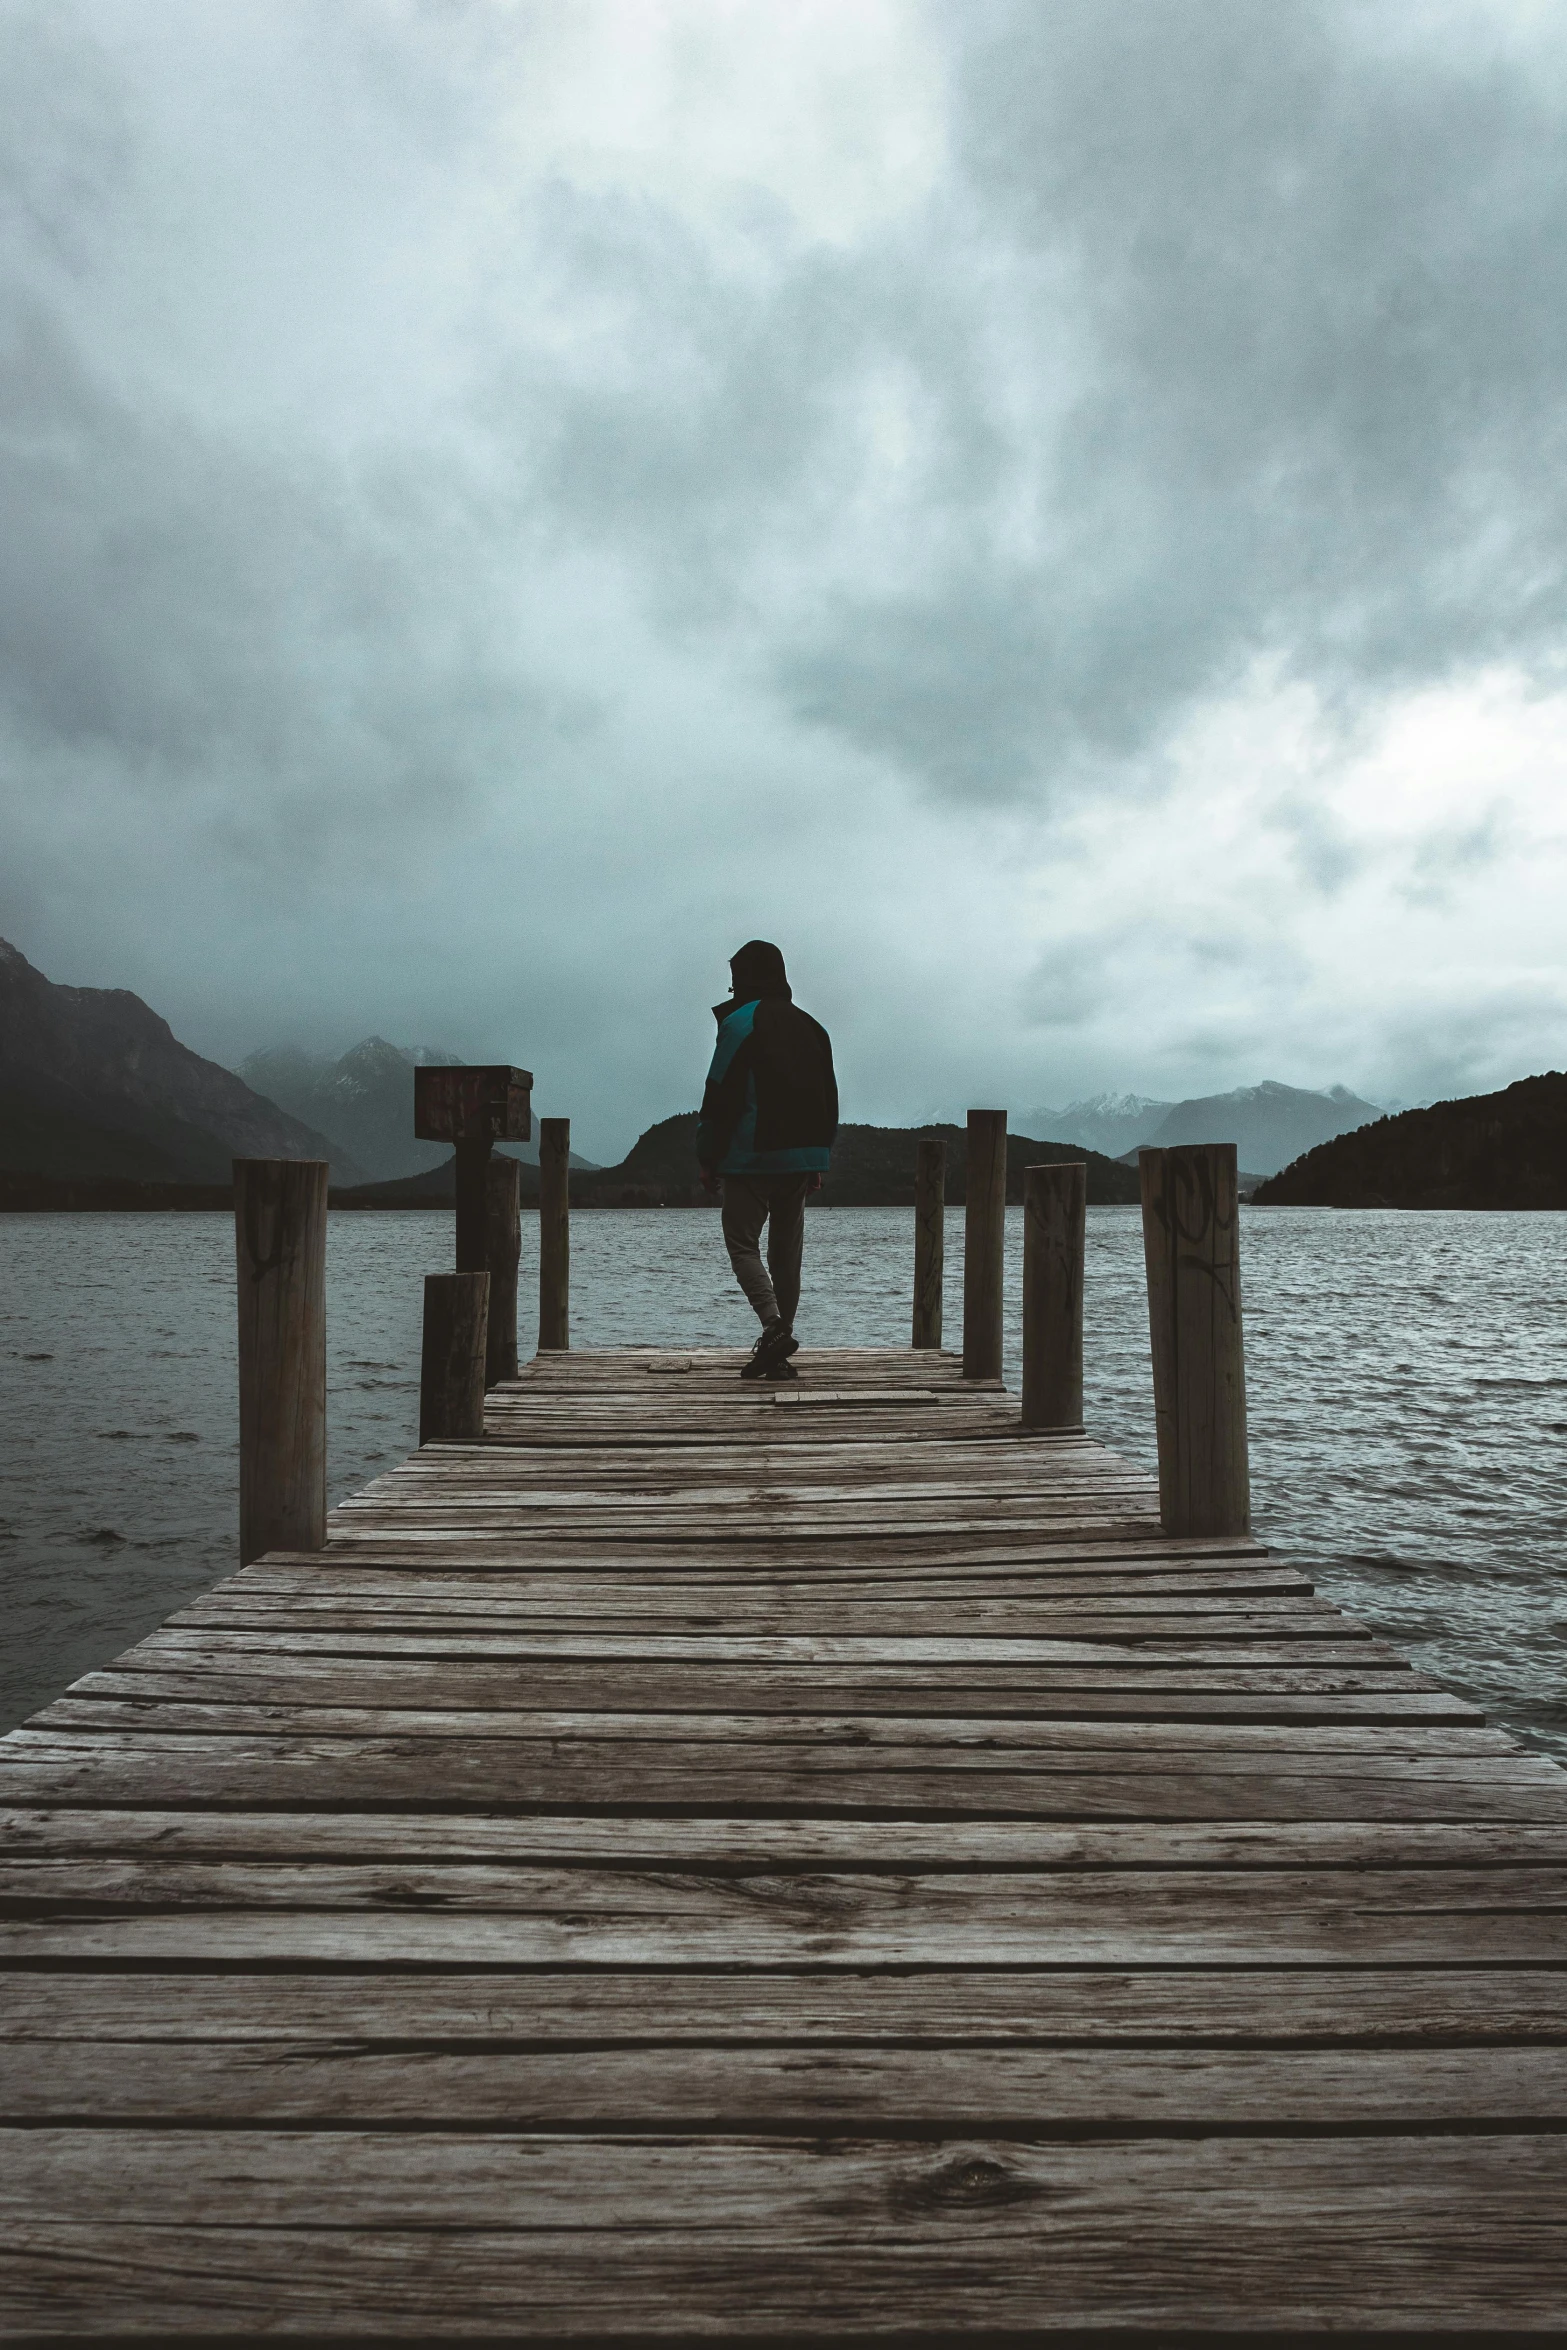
[782,1369]
[776,1343]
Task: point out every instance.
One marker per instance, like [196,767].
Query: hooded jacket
[770,1106]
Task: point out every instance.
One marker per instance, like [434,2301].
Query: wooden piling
[930,1238]
[473,1158]
[451,1363]
[1191,1240]
[984,1242]
[1055,1200]
[473,1109]
[554,1234]
[280,1259]
[502,1251]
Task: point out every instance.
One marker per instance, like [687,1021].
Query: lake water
[1407,1377]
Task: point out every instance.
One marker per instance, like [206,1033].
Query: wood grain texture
[930,1239]
[554,1234]
[690,1865]
[984,1243]
[1055,1200]
[472,1158]
[1191,1245]
[280,1211]
[451,1361]
[540,2236]
[502,1255]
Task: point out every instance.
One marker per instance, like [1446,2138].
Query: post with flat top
[930,1238]
[554,1234]
[984,1242]
[280,1258]
[1191,1240]
[473,1109]
[1055,1201]
[451,1361]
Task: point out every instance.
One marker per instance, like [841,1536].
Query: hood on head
[758,970]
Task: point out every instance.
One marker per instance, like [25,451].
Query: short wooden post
[554,1234]
[1191,1239]
[280,1258]
[984,1243]
[930,1238]
[451,1362]
[502,1251]
[1055,1201]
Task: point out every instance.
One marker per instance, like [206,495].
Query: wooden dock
[764,1863]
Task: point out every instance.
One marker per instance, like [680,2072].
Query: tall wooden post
[1055,1202]
[451,1361]
[280,1258]
[472,1156]
[930,1238]
[1191,1239]
[502,1251]
[984,1243]
[554,1234]
[473,1109]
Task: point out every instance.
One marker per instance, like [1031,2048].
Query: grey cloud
[1452,854]
[1231,331]
[1324,854]
[64,140]
[709,426]
[215,620]
[1470,1033]
[1314,285]
[1219,345]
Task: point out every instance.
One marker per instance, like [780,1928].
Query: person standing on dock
[769,1116]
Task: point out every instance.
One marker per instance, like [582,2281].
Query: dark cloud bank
[1222,335]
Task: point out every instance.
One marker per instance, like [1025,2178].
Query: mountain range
[94,1085]
[365,1102]
[1270,1124]
[97,1091]
[872,1166]
[1491,1150]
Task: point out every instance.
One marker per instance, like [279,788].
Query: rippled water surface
[1407,1377]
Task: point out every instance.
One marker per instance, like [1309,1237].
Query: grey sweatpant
[778,1201]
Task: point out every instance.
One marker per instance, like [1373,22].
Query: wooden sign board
[473,1105]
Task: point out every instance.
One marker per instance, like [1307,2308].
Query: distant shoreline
[872,1167]
[62,1195]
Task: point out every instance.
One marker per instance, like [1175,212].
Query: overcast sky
[1055,514]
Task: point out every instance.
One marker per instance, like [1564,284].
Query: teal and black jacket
[771,1103]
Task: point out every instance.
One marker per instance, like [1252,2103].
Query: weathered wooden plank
[920,1586]
[576,1618]
[627,1838]
[764,1657]
[892,1615]
[1130,1742]
[535,1916]
[910,1553]
[1167,1614]
[774,1689]
[967,2006]
[1129,1665]
[698,1477]
[1050,2092]
[556,2234]
[795,1451]
[486,1774]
